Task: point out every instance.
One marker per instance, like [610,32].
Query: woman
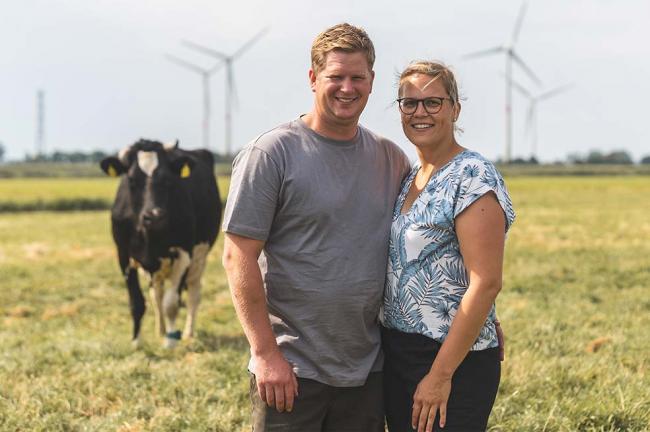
[442,365]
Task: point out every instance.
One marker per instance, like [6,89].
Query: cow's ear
[112,166]
[182,166]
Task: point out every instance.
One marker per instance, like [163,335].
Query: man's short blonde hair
[342,37]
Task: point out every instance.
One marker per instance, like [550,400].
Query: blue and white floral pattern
[426,277]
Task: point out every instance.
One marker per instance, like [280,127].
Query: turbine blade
[554,92]
[485,52]
[523,65]
[185,64]
[520,19]
[520,88]
[250,42]
[216,67]
[204,50]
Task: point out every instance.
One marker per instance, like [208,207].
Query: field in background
[83,169]
[68,169]
[575,308]
[65,193]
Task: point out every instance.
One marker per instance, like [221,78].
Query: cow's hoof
[172,338]
[170,343]
[136,344]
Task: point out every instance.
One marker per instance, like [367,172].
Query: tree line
[595,157]
[94,156]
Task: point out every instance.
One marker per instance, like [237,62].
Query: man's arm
[276,382]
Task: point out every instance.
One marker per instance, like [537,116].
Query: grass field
[575,308]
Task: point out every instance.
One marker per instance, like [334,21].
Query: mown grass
[66,362]
[575,308]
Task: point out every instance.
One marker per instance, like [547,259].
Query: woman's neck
[432,159]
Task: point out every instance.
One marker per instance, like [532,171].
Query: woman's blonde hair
[436,70]
[343,37]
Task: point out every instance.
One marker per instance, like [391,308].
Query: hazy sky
[101,65]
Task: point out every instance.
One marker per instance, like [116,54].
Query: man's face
[341,88]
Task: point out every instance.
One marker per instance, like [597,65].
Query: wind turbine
[533,100]
[205,78]
[510,55]
[230,82]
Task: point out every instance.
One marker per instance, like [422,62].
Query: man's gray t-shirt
[323,208]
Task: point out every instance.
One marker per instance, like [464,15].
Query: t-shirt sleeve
[253,196]
[477,178]
[405,165]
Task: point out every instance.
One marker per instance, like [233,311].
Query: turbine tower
[531,116]
[230,80]
[205,78]
[40,123]
[510,55]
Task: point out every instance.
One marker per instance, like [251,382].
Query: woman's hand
[430,397]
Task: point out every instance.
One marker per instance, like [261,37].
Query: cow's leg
[171,297]
[122,232]
[136,303]
[156,296]
[194,273]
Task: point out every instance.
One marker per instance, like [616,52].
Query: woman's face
[423,129]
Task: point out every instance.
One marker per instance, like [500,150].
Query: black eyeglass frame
[417,103]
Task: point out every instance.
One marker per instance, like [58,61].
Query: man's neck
[339,132]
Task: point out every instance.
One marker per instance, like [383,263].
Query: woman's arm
[481,234]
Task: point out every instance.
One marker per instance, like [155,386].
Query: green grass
[575,308]
[576,281]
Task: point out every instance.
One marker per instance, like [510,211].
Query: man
[313,200]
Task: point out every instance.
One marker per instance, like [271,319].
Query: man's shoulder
[382,141]
[374,136]
[274,140]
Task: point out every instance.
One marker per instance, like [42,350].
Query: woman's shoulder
[470,158]
[470,165]
[477,176]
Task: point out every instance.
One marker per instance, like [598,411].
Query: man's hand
[502,340]
[276,382]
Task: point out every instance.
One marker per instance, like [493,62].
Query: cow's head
[154,172]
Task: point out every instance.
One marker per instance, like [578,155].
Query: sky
[107,83]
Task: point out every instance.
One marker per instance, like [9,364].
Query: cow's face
[153,175]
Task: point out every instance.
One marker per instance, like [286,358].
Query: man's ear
[312,79]
[182,166]
[112,166]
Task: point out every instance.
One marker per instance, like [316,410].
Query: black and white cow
[165,219]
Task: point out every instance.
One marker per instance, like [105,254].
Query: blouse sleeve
[478,177]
